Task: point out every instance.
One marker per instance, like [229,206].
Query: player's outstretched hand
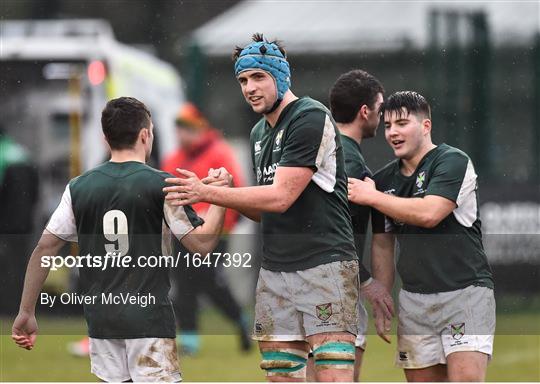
[361,191]
[185,190]
[24,330]
[219,177]
[383,307]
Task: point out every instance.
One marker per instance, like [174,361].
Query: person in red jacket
[201,147]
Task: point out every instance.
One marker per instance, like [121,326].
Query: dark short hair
[411,101]
[352,90]
[257,38]
[122,119]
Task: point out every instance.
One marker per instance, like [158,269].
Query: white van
[55,78]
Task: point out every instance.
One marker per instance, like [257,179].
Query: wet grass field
[516,356]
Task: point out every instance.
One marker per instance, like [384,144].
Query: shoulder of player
[351,150]
[157,173]
[350,147]
[155,179]
[386,172]
[308,113]
[148,171]
[306,106]
[446,153]
[258,127]
[388,169]
[82,177]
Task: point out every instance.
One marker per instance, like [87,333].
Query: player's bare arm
[379,297]
[383,270]
[24,330]
[289,182]
[426,212]
[205,238]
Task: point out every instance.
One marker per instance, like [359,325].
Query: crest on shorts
[457,330]
[420,179]
[324,311]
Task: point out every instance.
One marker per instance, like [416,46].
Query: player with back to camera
[307,292]
[119,208]
[427,199]
[355,101]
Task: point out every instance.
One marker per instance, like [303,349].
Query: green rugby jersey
[449,256]
[120,208]
[316,229]
[355,166]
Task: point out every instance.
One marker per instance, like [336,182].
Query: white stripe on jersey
[166,239]
[467,209]
[325,177]
[62,221]
[177,219]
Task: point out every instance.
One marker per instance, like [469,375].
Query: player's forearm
[413,211]
[266,198]
[382,259]
[252,214]
[37,274]
[208,234]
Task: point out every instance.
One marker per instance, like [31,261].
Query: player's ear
[363,112]
[426,126]
[144,135]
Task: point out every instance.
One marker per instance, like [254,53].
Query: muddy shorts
[146,359]
[292,305]
[432,326]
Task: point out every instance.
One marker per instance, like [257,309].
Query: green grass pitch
[516,357]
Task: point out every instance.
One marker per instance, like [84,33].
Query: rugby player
[119,209]
[355,102]
[307,293]
[429,200]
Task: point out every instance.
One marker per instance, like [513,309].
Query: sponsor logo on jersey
[390,191]
[257,147]
[278,141]
[267,173]
[403,356]
[324,311]
[420,179]
[457,330]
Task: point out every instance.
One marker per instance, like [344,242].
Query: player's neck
[273,117]
[351,130]
[121,156]
[409,165]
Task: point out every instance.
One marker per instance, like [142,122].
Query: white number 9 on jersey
[115,229]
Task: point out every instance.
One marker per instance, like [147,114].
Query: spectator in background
[18,197]
[201,147]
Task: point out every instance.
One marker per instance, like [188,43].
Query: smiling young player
[429,200]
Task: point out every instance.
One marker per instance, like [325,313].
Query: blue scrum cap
[266,56]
